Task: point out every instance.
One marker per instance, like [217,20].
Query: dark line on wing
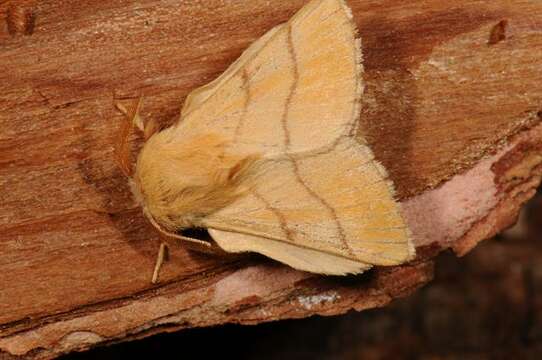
[280,217]
[287,141]
[246,87]
[284,119]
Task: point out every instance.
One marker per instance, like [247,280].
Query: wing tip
[383,172]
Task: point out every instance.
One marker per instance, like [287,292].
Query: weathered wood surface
[452,108]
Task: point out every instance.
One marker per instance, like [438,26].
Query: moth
[267,157]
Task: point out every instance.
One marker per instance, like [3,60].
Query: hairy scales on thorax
[180,181]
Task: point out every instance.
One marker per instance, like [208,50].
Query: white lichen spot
[308,302]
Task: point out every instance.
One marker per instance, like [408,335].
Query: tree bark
[452,108]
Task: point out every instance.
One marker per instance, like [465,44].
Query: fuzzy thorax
[179,182]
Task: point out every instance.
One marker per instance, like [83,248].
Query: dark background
[486,305]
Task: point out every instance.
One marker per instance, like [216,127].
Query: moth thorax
[179,183]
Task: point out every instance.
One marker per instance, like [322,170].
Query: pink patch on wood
[259,280]
[455,206]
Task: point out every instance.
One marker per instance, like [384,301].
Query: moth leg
[159,261]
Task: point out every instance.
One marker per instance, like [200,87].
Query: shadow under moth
[266,157]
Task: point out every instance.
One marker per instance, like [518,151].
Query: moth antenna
[148,128]
[121,108]
[159,261]
[151,128]
[134,115]
[122,150]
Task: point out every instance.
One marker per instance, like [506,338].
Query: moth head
[148,174]
[181,178]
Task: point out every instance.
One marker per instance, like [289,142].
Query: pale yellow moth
[266,156]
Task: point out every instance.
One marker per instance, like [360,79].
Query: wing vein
[246,88]
[287,142]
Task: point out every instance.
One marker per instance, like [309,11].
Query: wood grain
[453,114]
